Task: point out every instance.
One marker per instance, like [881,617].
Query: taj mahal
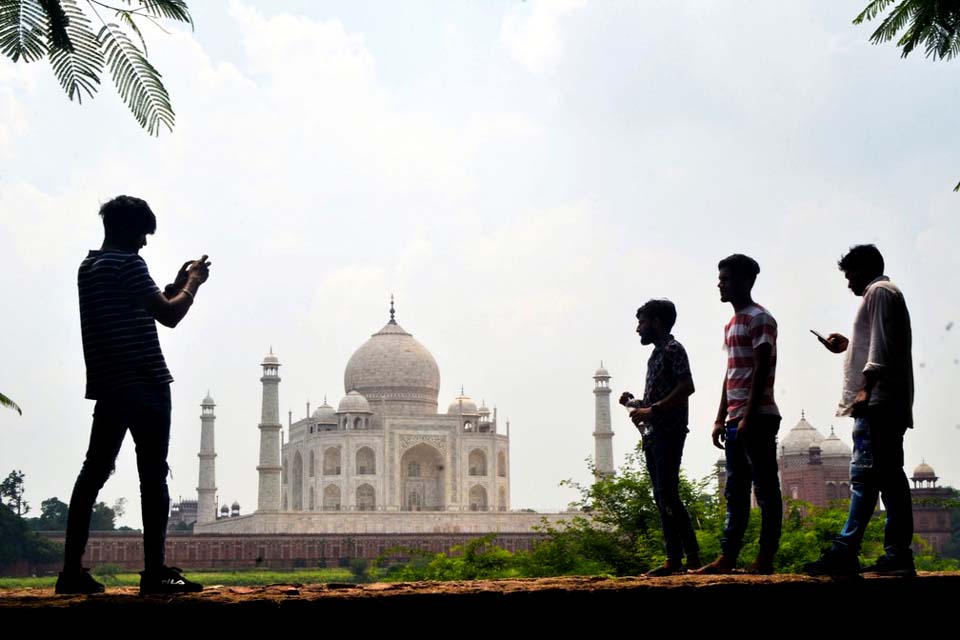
[385,460]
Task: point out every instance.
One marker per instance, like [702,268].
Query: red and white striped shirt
[748,329]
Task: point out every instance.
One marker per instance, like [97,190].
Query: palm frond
[126,18]
[932,24]
[872,10]
[957,188]
[9,404]
[57,24]
[78,69]
[170,9]
[137,81]
[23,29]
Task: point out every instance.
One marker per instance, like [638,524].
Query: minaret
[207,489]
[603,433]
[268,496]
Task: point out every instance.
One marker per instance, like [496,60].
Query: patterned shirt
[120,343]
[668,364]
[881,342]
[748,329]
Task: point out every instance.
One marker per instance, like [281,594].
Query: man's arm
[169,311]
[762,354]
[718,433]
[677,395]
[878,302]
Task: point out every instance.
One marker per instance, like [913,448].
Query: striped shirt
[748,329]
[120,343]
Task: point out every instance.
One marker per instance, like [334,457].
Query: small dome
[270,358]
[834,447]
[483,409]
[601,372]
[799,439]
[924,471]
[324,414]
[224,509]
[353,402]
[208,401]
[235,506]
[463,404]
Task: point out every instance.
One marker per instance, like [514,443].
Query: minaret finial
[392,311]
[803,414]
[461,389]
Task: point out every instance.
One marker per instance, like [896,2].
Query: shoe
[77,583]
[719,567]
[166,581]
[833,564]
[693,563]
[891,566]
[664,570]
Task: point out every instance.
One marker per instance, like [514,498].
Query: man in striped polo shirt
[128,378]
[748,419]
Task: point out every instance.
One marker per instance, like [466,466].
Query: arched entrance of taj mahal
[422,479]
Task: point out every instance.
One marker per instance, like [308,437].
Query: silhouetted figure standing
[748,419]
[662,416]
[128,378]
[878,395]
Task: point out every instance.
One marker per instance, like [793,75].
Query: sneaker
[166,581]
[892,566]
[77,583]
[833,564]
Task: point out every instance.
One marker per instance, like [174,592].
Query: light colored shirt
[748,329]
[881,342]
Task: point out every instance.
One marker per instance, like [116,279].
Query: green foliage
[4,400]
[11,493]
[62,31]
[934,24]
[53,516]
[18,542]
[103,518]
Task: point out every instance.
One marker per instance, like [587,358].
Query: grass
[209,578]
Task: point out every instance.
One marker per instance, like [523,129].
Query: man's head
[737,275]
[861,265]
[655,320]
[127,221]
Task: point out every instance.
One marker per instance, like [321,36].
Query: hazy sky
[521,175]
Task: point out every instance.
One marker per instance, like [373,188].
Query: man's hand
[641,414]
[181,280]
[199,270]
[719,434]
[860,403]
[835,343]
[625,397]
[744,424]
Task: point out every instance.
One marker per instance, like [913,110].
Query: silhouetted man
[748,420]
[662,416]
[878,395]
[128,378]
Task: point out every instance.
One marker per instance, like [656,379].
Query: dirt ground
[556,602]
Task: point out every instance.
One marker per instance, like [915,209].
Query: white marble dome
[463,404]
[353,402]
[832,446]
[799,439]
[324,414]
[394,368]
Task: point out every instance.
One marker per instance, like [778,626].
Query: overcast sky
[521,175]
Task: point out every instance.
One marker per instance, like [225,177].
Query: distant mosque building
[383,461]
[816,469]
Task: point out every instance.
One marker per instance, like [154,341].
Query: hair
[863,257]
[125,218]
[741,266]
[659,309]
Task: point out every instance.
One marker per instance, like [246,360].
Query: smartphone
[822,339]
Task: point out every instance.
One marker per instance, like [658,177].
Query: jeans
[145,411]
[877,469]
[752,459]
[663,450]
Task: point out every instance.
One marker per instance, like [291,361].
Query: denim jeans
[145,411]
[752,460]
[876,469]
[663,450]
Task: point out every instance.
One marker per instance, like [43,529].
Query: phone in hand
[822,339]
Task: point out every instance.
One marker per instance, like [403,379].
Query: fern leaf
[137,81]
[170,9]
[57,23]
[23,27]
[9,404]
[78,68]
